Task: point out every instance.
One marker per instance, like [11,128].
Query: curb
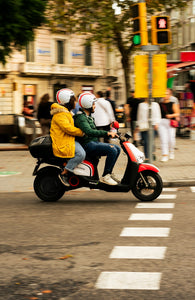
[13,148]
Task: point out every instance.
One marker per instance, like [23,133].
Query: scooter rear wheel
[154,189]
[47,185]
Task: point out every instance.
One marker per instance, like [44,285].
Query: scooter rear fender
[143,167]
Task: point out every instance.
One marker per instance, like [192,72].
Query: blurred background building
[58,60]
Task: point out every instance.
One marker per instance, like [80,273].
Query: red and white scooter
[142,179]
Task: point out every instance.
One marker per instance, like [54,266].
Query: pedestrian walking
[167,133]
[131,114]
[43,114]
[103,114]
[112,102]
[143,124]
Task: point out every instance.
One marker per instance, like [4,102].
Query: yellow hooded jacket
[63,132]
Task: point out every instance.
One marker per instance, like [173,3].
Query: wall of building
[21,79]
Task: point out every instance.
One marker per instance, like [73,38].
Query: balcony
[4,69]
[40,69]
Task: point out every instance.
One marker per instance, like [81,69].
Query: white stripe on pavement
[168,196]
[146,231]
[193,189]
[155,205]
[151,217]
[129,280]
[134,252]
[170,189]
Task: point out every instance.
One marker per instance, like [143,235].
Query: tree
[106,21]
[18,19]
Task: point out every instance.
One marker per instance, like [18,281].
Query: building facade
[54,61]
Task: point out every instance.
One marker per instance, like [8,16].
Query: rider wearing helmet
[90,141]
[63,133]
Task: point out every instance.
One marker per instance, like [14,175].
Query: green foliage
[18,19]
[100,21]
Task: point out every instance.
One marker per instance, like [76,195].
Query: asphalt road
[81,248]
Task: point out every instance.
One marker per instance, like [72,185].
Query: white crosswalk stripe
[192,189]
[151,217]
[155,205]
[145,231]
[170,189]
[167,196]
[134,252]
[129,280]
[140,280]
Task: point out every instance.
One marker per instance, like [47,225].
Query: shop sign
[87,88]
[187,56]
[29,89]
[43,51]
[77,55]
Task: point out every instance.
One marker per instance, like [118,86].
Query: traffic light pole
[150,49]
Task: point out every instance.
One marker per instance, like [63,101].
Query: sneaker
[64,179]
[115,178]
[164,158]
[108,180]
[171,155]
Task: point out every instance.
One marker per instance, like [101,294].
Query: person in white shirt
[103,115]
[143,123]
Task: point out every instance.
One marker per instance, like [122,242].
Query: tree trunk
[125,60]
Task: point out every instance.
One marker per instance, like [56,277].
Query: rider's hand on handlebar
[112,134]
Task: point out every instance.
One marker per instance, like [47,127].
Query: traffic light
[161,34]
[140,33]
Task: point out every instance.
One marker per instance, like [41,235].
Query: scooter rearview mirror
[116,124]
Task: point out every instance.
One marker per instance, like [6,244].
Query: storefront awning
[180,66]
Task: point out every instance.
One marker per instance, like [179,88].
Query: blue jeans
[77,159]
[103,149]
[145,138]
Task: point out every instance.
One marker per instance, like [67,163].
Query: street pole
[150,49]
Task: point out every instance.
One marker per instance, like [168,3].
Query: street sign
[141,76]
[159,76]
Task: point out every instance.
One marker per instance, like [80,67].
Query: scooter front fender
[143,167]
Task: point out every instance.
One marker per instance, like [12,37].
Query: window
[88,55]
[30,55]
[193,7]
[60,52]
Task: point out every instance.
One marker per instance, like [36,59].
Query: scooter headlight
[139,155]
[140,158]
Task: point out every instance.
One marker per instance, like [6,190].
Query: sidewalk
[17,165]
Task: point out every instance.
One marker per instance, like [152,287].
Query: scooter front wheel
[148,186]
[47,185]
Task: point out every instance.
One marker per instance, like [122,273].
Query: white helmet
[63,96]
[86,100]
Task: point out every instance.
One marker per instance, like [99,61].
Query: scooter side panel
[130,174]
[143,167]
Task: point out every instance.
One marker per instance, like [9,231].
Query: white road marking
[192,189]
[151,217]
[134,252]
[146,231]
[155,205]
[170,189]
[168,196]
[129,280]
